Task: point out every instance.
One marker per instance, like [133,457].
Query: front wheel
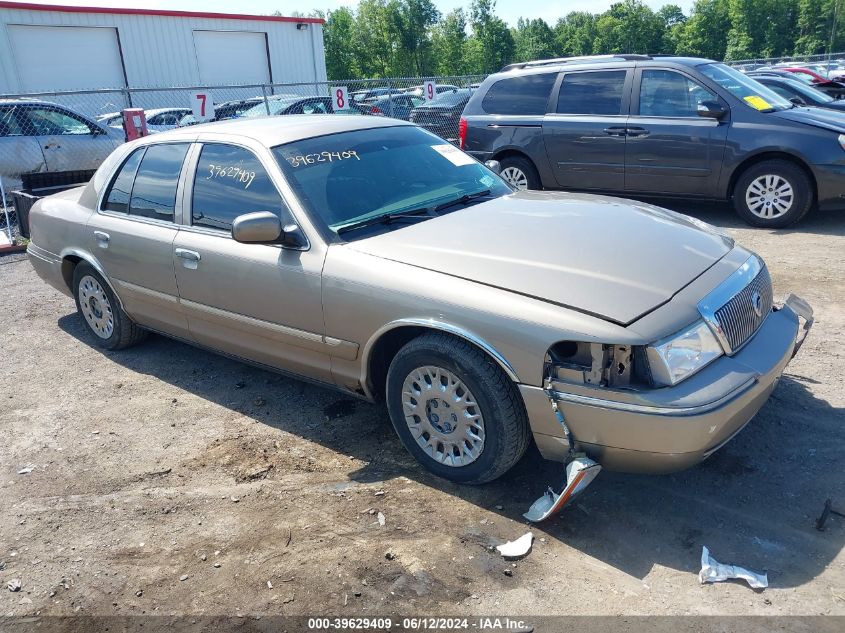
[455,410]
[773,194]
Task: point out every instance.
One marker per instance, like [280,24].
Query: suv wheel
[455,410]
[773,194]
[101,311]
[519,173]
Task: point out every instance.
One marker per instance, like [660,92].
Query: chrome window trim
[723,293]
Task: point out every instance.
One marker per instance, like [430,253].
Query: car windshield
[804,78]
[275,106]
[810,92]
[450,98]
[351,177]
[750,92]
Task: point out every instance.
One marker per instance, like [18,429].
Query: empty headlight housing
[681,355]
[842,140]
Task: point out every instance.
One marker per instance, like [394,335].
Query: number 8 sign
[429,90]
[340,98]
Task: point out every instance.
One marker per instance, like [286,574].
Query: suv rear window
[597,92]
[528,94]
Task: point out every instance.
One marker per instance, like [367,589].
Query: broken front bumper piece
[579,473]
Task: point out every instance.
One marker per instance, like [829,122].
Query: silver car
[373,257]
[38,136]
[158,119]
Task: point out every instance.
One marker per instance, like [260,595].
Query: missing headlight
[618,366]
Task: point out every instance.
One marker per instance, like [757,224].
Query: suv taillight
[462,132]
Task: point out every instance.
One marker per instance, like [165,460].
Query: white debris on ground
[714,571]
[518,548]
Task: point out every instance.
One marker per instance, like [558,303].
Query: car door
[585,134]
[69,142]
[132,235]
[669,147]
[20,151]
[257,301]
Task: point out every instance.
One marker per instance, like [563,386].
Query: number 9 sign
[429,90]
[340,98]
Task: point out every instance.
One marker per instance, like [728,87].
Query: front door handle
[637,131]
[615,131]
[183,253]
[102,239]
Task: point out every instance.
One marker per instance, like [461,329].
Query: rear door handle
[102,239]
[191,256]
[615,131]
[637,131]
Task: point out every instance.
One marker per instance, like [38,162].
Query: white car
[158,119]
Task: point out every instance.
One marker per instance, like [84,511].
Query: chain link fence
[830,65]
[72,132]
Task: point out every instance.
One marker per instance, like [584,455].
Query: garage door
[90,57]
[232,57]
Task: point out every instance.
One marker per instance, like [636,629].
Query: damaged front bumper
[671,428]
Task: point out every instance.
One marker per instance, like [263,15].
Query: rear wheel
[519,173]
[773,194]
[101,311]
[455,410]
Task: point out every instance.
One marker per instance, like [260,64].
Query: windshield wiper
[387,218]
[462,200]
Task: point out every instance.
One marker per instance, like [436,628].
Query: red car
[834,88]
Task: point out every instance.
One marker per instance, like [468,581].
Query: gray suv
[658,126]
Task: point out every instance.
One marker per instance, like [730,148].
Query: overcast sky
[508,10]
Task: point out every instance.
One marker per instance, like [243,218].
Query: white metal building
[50,48]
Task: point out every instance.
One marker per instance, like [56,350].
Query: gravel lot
[168,480]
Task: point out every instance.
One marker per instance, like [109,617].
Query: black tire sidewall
[402,365]
[86,270]
[525,166]
[796,177]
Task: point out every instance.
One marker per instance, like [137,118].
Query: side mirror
[264,227]
[798,101]
[494,166]
[712,110]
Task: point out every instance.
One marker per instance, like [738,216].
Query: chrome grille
[738,319]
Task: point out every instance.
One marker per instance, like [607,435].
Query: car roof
[276,130]
[599,60]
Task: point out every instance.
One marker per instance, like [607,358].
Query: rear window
[597,93]
[526,95]
[450,98]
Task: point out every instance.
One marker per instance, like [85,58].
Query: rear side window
[525,95]
[230,181]
[117,199]
[597,93]
[154,191]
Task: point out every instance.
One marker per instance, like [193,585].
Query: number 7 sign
[202,106]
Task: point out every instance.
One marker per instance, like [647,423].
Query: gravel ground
[168,480]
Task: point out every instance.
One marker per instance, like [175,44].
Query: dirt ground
[169,480]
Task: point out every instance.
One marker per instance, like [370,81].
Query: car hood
[615,259]
[818,117]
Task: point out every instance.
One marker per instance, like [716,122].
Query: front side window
[230,181]
[9,124]
[598,93]
[154,190]
[669,94]
[117,198]
[53,122]
[752,93]
[525,95]
[352,177]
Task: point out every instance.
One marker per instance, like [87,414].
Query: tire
[756,198]
[520,172]
[101,312]
[482,389]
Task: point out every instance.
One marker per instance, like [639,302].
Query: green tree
[375,38]
[628,27]
[820,27]
[533,39]
[337,39]
[448,39]
[674,24]
[704,32]
[491,45]
[413,22]
[575,33]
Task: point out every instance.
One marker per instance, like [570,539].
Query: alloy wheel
[443,416]
[516,177]
[769,196]
[96,307]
